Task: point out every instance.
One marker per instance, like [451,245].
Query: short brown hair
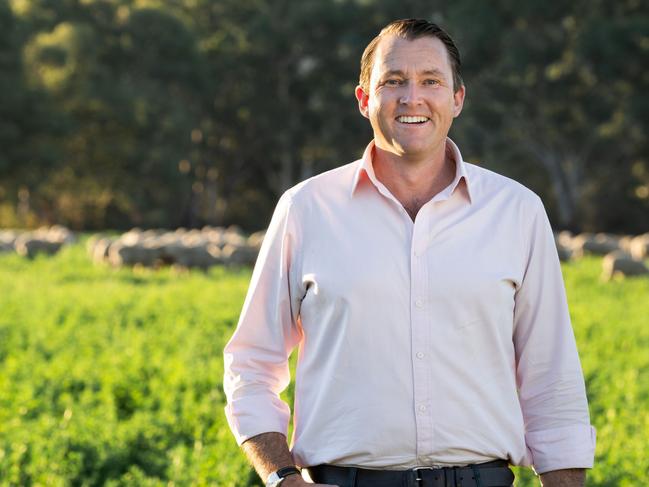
[411,29]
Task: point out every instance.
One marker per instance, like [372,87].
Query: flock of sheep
[200,249]
[623,255]
[151,248]
[45,240]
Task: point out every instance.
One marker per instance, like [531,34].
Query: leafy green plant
[114,377]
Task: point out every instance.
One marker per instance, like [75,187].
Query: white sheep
[621,264]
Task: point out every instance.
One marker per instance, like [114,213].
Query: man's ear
[362,98]
[458,101]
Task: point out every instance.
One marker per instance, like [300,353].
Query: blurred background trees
[120,113]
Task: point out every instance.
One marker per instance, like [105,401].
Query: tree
[552,88]
[125,80]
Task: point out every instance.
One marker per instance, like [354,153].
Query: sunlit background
[120,113]
[188,119]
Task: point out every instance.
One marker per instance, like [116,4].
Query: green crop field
[113,377]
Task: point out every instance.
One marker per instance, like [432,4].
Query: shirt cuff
[561,448]
[252,415]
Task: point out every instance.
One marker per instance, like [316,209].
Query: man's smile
[412,119]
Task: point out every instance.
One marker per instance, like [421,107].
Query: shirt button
[422,408]
[420,354]
[419,303]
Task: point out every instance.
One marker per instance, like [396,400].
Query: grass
[113,377]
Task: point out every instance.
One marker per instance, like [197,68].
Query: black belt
[490,474]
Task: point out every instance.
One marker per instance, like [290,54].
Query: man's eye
[393,82]
[431,82]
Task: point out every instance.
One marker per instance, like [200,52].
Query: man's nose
[411,94]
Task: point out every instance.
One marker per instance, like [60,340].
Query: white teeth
[404,119]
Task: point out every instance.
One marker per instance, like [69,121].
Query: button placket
[420,338]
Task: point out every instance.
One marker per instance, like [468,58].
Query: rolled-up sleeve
[256,357]
[550,381]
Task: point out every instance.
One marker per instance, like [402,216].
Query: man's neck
[414,182]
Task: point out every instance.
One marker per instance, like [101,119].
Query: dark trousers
[490,474]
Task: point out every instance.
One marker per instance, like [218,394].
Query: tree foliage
[116,113]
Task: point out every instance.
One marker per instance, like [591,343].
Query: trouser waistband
[490,474]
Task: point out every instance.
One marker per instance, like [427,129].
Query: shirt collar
[365,170]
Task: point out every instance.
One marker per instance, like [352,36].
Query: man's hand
[571,477]
[269,452]
[298,481]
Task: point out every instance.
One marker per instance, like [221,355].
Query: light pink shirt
[443,341]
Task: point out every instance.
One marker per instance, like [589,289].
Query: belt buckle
[418,479]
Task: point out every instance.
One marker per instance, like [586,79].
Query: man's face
[411,103]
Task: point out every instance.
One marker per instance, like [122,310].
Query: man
[426,298]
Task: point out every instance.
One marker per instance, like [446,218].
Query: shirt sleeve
[550,382]
[256,357]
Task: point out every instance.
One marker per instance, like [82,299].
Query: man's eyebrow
[434,72]
[393,72]
[398,72]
